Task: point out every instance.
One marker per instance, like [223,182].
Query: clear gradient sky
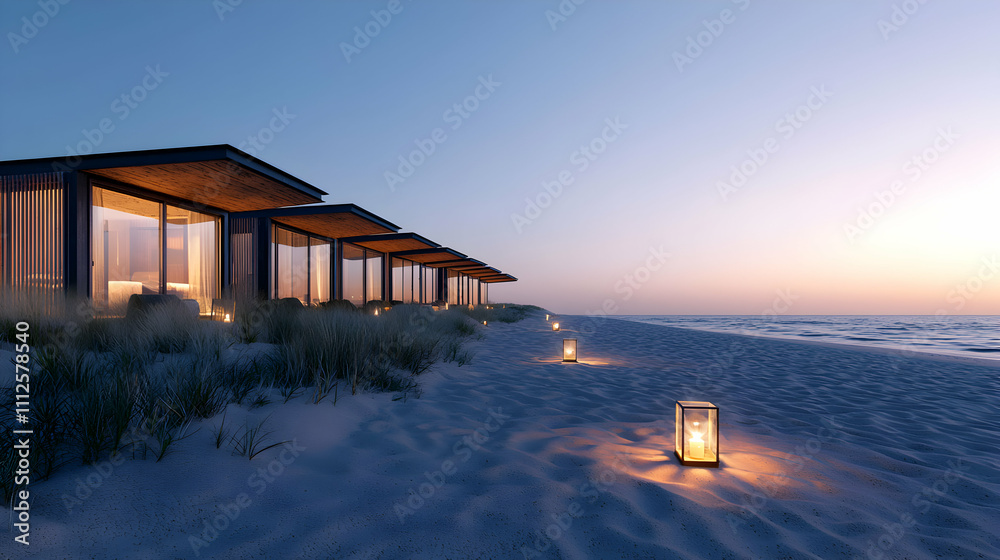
[838,96]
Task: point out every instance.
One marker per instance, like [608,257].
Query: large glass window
[354,274]
[319,271]
[363,274]
[430,283]
[127,238]
[301,266]
[373,275]
[125,243]
[398,273]
[405,281]
[452,287]
[291,265]
[409,294]
[192,256]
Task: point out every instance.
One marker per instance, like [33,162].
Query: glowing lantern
[555,326]
[546,316]
[376,312]
[696,434]
[223,310]
[484,323]
[569,349]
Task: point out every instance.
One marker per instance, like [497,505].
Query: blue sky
[833,100]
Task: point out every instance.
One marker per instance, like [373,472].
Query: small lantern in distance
[484,323]
[555,326]
[696,434]
[569,350]
[223,310]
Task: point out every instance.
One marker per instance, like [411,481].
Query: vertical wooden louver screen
[244,238]
[33,244]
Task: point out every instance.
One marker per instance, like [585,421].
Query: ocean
[975,336]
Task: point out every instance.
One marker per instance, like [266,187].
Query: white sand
[827,453]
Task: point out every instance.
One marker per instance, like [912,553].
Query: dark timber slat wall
[33,252]
[244,238]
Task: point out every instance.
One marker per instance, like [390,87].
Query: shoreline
[901,352]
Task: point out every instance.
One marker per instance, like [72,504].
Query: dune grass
[137,386]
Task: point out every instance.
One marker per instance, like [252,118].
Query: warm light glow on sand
[590,361]
[746,468]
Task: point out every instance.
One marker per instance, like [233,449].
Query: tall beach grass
[137,385]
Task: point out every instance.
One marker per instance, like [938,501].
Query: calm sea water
[962,335]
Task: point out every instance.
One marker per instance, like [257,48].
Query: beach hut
[208,223]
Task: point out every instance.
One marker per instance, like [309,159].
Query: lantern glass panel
[696,433]
[555,326]
[223,310]
[569,350]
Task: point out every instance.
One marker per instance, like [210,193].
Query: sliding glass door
[125,244]
[192,256]
[362,274]
[291,265]
[301,267]
[141,246]
[320,278]
[354,274]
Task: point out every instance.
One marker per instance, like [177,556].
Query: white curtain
[203,261]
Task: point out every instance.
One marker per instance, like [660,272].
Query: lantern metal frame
[223,307]
[703,411]
[571,343]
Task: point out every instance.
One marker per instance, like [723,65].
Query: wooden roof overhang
[218,176]
[335,221]
[392,242]
[457,264]
[498,278]
[428,256]
[481,272]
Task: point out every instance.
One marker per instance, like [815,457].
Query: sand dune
[827,452]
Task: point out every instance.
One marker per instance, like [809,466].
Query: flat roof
[427,256]
[480,272]
[335,221]
[498,278]
[219,175]
[392,242]
[457,263]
